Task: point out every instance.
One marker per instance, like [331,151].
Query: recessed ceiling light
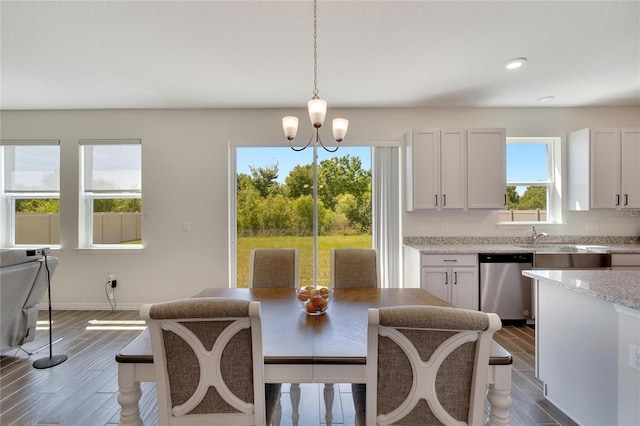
[515,63]
[546,99]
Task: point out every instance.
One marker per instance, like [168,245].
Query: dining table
[302,348]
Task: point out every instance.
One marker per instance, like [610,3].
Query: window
[111,193]
[532,193]
[358,206]
[30,192]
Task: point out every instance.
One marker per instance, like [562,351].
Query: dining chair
[277,268]
[274,268]
[207,354]
[425,365]
[354,267]
[351,268]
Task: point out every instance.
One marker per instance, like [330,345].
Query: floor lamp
[52,361]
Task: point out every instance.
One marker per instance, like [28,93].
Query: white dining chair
[207,355]
[425,365]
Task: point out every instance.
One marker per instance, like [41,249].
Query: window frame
[87,198]
[552,182]
[8,198]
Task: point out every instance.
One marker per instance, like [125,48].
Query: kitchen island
[588,343]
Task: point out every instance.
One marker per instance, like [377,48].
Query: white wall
[185,179]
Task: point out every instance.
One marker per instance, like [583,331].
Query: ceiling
[371,54]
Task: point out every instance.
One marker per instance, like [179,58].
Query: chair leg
[328,403]
[294,394]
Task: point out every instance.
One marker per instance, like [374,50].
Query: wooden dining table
[299,348]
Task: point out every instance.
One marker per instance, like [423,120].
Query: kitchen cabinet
[453,278]
[487,168]
[455,169]
[603,168]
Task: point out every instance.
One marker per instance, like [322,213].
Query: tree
[340,175]
[535,197]
[300,181]
[38,205]
[264,178]
[513,198]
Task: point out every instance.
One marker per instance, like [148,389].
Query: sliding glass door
[277,192]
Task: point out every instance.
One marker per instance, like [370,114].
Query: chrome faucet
[535,235]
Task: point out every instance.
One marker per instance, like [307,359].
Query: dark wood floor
[83,390]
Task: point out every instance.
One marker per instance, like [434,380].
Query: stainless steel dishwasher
[503,288]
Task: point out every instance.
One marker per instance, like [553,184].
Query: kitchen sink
[569,256]
[571,260]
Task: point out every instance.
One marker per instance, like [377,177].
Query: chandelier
[317,107]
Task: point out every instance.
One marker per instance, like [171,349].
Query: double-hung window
[30,207]
[111,193]
[533,191]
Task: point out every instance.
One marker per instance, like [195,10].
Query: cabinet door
[630,158]
[604,147]
[465,288]
[423,170]
[486,173]
[453,169]
[436,281]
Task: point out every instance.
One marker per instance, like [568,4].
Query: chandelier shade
[317,107]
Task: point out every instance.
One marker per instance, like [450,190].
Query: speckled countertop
[516,244]
[621,287]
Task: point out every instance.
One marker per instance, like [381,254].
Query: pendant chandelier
[317,107]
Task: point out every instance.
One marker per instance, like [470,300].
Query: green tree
[513,198]
[249,204]
[119,205]
[340,175]
[265,179]
[535,197]
[275,217]
[300,181]
[38,205]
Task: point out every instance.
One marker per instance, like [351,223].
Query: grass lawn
[305,246]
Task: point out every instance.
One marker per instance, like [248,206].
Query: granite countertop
[436,245]
[621,287]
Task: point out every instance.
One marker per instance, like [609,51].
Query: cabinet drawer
[449,260]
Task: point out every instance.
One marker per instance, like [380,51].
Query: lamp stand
[52,361]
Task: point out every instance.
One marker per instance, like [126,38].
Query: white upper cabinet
[487,168]
[455,169]
[603,168]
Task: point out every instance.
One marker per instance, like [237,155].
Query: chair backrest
[354,268]
[207,354]
[274,268]
[427,365]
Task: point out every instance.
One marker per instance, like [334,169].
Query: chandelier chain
[315,50]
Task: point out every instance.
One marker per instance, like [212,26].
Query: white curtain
[386,214]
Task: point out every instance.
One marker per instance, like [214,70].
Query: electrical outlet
[634,357]
[111,277]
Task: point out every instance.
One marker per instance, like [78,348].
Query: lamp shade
[340,126]
[290,126]
[317,111]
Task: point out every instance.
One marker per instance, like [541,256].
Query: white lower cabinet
[452,278]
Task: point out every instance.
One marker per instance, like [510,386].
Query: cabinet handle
[505,199]
[617,199]
[455,278]
[446,278]
[436,200]
[444,200]
[626,199]
[449,260]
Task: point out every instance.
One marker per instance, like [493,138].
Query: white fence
[108,228]
[522,215]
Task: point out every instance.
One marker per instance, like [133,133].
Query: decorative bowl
[314,300]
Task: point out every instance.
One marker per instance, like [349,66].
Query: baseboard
[90,306]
